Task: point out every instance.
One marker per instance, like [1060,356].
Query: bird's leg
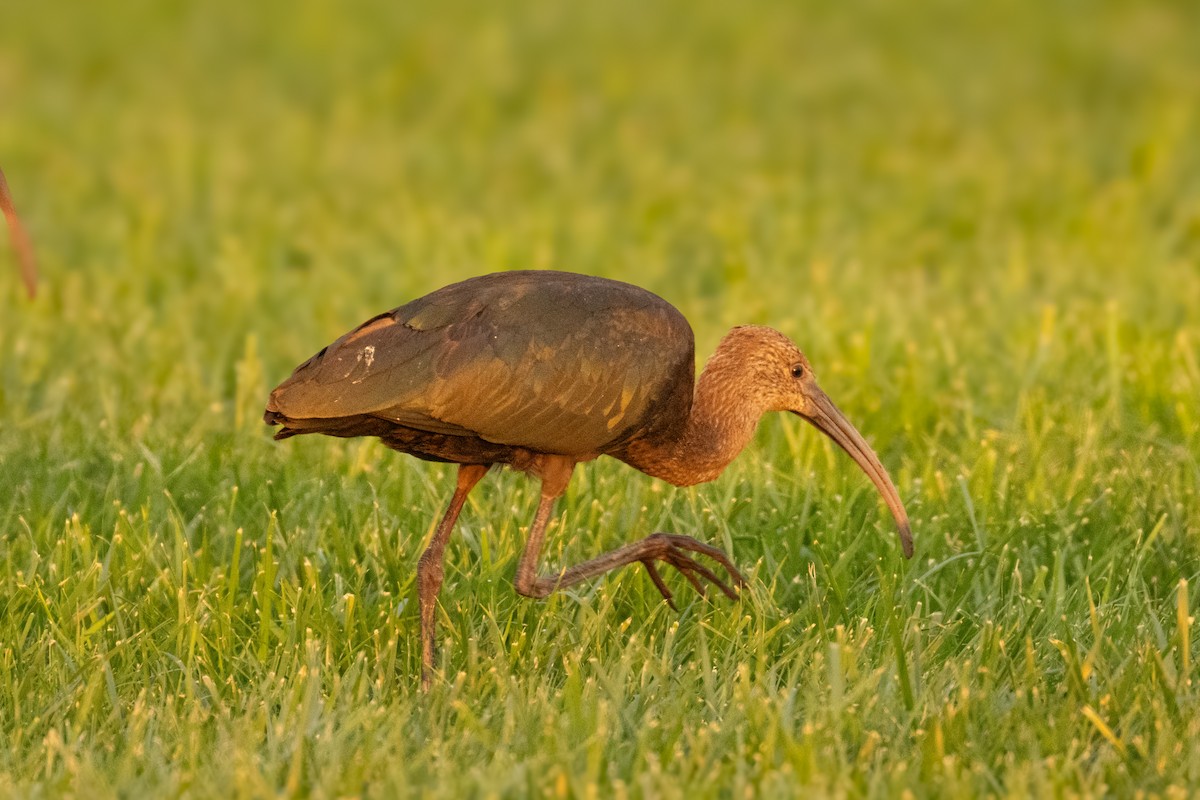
[19,239]
[555,474]
[430,569]
[669,548]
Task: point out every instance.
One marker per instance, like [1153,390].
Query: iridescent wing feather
[554,362]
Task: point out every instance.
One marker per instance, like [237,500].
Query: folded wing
[554,362]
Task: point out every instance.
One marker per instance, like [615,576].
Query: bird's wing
[555,366]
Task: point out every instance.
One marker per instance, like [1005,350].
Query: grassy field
[981,221]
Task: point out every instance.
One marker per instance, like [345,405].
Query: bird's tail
[342,427]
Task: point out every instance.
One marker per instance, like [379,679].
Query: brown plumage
[543,370]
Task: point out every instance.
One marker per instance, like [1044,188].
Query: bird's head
[779,377]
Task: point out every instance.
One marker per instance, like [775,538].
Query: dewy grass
[981,223]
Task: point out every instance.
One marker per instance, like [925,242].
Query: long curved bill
[833,423]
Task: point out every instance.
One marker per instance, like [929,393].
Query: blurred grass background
[981,221]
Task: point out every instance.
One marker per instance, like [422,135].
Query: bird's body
[474,373]
[544,370]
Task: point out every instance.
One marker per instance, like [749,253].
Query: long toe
[673,549]
[659,583]
[715,553]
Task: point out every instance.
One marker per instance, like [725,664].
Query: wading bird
[19,239]
[544,370]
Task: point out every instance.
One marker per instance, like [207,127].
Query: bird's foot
[673,549]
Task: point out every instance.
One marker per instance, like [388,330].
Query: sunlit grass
[982,224]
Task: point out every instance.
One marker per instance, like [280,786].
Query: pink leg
[430,568]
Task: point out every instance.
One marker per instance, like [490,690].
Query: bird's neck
[720,425]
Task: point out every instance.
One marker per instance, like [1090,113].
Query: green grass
[981,221]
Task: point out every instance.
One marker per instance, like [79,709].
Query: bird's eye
[798,371]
